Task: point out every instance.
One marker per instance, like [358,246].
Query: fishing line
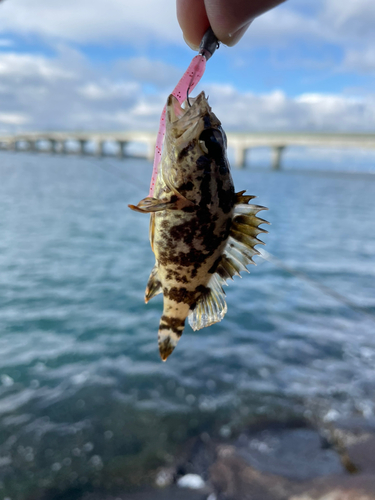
[130,179]
[323,288]
[267,256]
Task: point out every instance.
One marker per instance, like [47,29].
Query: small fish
[201,232]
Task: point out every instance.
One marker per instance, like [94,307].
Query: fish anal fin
[153,286]
[210,307]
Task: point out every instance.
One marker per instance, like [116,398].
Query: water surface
[85,400]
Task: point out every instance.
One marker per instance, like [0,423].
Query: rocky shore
[293,461]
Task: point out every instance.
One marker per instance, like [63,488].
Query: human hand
[229,19]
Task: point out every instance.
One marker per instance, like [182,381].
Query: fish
[201,231]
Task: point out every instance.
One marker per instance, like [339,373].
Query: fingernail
[191,45]
[235,37]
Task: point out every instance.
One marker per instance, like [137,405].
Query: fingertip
[232,38]
[193,20]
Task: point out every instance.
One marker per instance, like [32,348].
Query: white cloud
[39,93]
[360,60]
[276,111]
[144,70]
[93,20]
[13,65]
[352,20]
[13,119]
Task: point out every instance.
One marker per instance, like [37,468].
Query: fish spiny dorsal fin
[240,247]
[153,287]
[210,307]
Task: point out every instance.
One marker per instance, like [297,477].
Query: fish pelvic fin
[240,247]
[153,287]
[210,307]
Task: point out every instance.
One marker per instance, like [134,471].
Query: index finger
[229,19]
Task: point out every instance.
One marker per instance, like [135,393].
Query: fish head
[192,126]
[195,162]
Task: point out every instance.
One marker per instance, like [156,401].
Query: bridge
[77,142]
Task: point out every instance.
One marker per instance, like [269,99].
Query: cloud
[275,111]
[362,61]
[144,70]
[67,93]
[352,21]
[93,21]
[13,119]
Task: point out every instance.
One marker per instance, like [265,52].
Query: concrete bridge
[77,142]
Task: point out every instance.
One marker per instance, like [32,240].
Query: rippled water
[85,401]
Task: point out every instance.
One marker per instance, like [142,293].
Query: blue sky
[306,65]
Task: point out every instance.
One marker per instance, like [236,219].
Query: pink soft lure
[187,83]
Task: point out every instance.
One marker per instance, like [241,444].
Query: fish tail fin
[171,327]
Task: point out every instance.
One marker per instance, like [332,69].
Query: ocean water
[86,403]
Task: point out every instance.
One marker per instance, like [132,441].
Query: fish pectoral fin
[210,307]
[153,286]
[148,205]
[240,247]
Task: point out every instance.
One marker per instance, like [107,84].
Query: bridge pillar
[121,145]
[276,157]
[100,148]
[32,146]
[53,146]
[82,144]
[240,157]
[12,146]
[64,148]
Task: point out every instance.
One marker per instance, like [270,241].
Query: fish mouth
[193,106]
[188,120]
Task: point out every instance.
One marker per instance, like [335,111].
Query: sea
[86,403]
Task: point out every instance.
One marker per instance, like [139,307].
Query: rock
[233,479]
[191,481]
[164,477]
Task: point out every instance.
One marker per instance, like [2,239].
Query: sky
[307,65]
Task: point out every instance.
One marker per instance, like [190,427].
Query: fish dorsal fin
[153,285]
[211,306]
[240,247]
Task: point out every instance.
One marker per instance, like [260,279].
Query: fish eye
[211,141]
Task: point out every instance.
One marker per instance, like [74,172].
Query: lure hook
[187,96]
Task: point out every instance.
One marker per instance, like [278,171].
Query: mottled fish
[201,232]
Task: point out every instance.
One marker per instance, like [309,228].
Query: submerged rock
[191,481]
